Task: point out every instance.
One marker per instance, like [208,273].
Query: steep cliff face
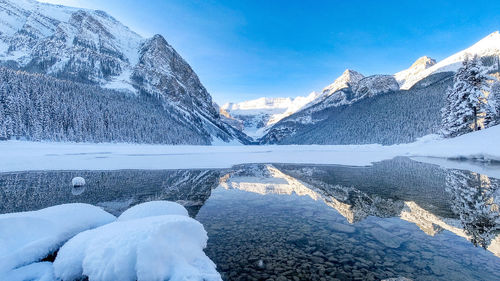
[92,47]
[77,44]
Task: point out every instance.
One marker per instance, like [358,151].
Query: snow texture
[153,208]
[20,156]
[139,247]
[40,271]
[28,237]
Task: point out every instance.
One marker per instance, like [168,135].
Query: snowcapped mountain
[347,79]
[332,94]
[420,65]
[256,116]
[349,88]
[85,45]
[381,108]
[486,47]
[92,47]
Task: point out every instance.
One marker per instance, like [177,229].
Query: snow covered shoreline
[482,145]
[156,240]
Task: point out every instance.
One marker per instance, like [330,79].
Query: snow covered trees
[467,106]
[474,201]
[495,99]
[39,107]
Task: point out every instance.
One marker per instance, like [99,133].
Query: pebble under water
[395,219]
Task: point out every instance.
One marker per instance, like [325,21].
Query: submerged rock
[386,238]
[78,182]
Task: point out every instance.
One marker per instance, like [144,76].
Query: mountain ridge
[254,117]
[90,46]
[424,73]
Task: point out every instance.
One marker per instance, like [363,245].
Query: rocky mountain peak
[163,72]
[84,21]
[423,62]
[488,47]
[419,66]
[347,79]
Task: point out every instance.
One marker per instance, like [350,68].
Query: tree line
[38,107]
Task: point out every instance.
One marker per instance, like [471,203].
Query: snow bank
[153,208]
[20,155]
[483,145]
[28,237]
[139,247]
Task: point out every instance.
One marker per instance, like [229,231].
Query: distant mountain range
[384,109]
[255,116]
[70,74]
[91,47]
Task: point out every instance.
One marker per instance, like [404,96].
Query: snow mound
[153,208]
[168,247]
[27,237]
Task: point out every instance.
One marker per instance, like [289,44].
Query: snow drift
[153,208]
[151,241]
[28,237]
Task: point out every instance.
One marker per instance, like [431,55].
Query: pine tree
[474,202]
[494,99]
[466,106]
[3,127]
[39,107]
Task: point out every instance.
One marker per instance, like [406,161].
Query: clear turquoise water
[397,218]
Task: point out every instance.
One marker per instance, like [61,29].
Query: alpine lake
[394,219]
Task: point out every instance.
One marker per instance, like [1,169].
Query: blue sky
[248,49]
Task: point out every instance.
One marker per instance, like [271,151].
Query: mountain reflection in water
[394,218]
[435,199]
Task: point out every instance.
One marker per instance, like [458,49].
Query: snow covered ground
[156,240]
[152,241]
[27,237]
[481,146]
